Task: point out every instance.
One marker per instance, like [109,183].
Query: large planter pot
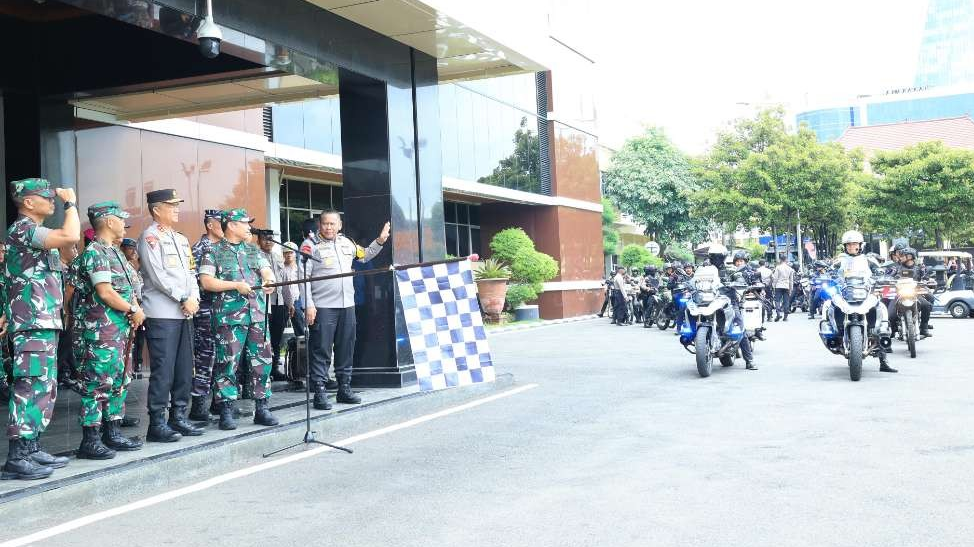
[492,295]
[526,313]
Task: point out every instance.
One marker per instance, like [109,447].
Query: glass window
[450,211]
[474,214]
[288,124]
[320,197]
[297,195]
[451,240]
[464,241]
[462,216]
[474,237]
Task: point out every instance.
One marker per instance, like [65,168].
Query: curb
[545,323]
[136,478]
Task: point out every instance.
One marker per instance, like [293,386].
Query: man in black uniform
[918,273]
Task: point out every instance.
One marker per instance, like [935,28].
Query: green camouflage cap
[237,215]
[104,209]
[20,189]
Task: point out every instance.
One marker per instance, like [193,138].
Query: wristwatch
[68,205]
[133,310]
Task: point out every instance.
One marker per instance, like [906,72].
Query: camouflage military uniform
[105,333]
[33,309]
[203,341]
[77,307]
[238,321]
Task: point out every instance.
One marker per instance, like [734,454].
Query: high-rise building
[947,47]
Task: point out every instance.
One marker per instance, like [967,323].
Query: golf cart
[955,292]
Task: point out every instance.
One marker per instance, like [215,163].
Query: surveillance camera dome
[209,36]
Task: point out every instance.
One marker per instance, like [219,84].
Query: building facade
[442,116]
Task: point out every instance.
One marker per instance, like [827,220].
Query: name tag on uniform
[172,261]
[329,262]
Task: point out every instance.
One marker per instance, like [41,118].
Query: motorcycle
[853,296]
[674,305]
[799,299]
[654,308]
[908,290]
[708,325]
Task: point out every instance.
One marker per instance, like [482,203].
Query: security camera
[209,34]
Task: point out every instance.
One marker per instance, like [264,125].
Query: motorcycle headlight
[906,301]
[706,297]
[855,294]
[907,291]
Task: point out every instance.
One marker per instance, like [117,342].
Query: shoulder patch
[152,240]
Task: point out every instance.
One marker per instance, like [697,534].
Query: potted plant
[491,277]
[530,269]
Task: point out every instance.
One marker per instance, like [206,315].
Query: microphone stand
[310,437]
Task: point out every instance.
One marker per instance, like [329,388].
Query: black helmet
[689,265]
[909,251]
[741,255]
[649,270]
[900,245]
[669,266]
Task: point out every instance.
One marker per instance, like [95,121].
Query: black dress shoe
[179,423]
[886,368]
[750,366]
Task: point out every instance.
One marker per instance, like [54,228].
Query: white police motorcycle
[853,296]
[709,327]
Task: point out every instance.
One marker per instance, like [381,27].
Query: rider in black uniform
[917,272]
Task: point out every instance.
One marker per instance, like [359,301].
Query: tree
[650,180]
[522,169]
[761,176]
[610,236]
[634,256]
[927,187]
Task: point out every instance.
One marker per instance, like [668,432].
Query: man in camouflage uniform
[110,311]
[33,312]
[230,269]
[4,354]
[203,322]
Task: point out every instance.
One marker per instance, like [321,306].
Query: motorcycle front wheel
[663,321]
[909,327]
[705,361]
[855,353]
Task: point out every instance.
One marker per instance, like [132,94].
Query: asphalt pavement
[621,443]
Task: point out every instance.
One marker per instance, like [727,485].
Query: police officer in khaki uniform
[331,310]
[170,299]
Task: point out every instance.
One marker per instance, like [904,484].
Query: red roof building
[953,132]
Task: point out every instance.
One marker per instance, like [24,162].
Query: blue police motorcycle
[709,327]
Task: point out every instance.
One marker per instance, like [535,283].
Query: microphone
[306,248]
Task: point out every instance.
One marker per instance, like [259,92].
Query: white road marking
[240,473]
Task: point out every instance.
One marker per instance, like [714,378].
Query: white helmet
[853,236]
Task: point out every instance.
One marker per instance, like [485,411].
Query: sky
[686,65]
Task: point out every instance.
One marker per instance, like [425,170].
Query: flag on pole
[446,332]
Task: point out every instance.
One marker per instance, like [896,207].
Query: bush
[634,256]
[756,250]
[529,267]
[507,245]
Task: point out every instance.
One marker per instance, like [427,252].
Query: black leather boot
[262,413]
[883,365]
[129,421]
[749,365]
[321,398]
[91,446]
[21,466]
[179,423]
[345,394]
[43,458]
[227,422]
[197,412]
[113,438]
[159,430]
[331,383]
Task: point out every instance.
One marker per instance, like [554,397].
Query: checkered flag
[443,322]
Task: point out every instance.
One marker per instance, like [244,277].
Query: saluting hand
[66,194]
[384,235]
